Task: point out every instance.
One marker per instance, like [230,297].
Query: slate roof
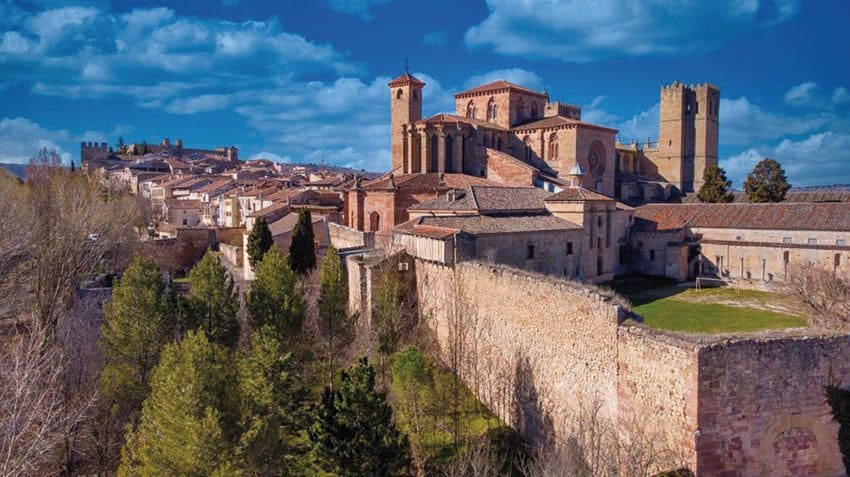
[781,216]
[488,224]
[428,181]
[488,199]
[497,85]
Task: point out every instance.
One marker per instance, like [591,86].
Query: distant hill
[16,169]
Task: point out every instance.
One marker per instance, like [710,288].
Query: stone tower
[687,136]
[406,106]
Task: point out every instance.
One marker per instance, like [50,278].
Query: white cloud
[360,8]
[808,94]
[579,31]
[641,126]
[528,79]
[271,156]
[820,158]
[594,113]
[742,122]
[198,104]
[22,138]
[14,43]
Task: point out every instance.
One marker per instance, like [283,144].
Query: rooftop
[556,121]
[577,194]
[487,224]
[830,216]
[498,85]
[488,199]
[428,181]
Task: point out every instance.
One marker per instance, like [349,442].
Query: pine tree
[259,241]
[354,433]
[335,325]
[211,302]
[188,424]
[302,249]
[767,182]
[715,186]
[138,322]
[272,408]
[73,167]
[275,300]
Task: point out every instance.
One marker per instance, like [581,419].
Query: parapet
[677,87]
[558,108]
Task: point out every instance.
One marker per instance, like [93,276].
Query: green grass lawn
[666,305]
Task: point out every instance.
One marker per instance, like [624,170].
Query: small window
[599,221]
[739,238]
[652,255]
[696,107]
[786,256]
[399,94]
[812,241]
[529,252]
[787,240]
[598,242]
[569,248]
[841,242]
[837,259]
[185,222]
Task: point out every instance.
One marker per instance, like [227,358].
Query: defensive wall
[540,352]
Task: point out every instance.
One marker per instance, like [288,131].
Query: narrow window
[529,252]
[599,265]
[652,255]
[785,256]
[569,248]
[399,94]
[837,259]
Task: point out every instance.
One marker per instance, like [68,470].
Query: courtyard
[675,307]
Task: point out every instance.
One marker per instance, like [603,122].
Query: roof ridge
[474,198]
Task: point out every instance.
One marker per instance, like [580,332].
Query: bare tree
[825,295]
[34,414]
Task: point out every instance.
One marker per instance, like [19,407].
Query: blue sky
[306,81]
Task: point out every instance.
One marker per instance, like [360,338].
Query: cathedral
[516,136]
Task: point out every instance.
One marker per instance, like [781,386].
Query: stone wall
[762,409]
[343,237]
[532,348]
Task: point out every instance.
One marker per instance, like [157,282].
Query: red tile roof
[577,194]
[498,85]
[487,199]
[404,79]
[428,181]
[555,121]
[782,216]
[488,224]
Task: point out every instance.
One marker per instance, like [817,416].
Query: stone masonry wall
[762,410]
[532,348]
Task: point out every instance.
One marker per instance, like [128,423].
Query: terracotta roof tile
[487,224]
[428,181]
[488,199]
[497,85]
[556,121]
[782,216]
[577,194]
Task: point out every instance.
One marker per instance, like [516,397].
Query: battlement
[677,87]
[559,108]
[93,146]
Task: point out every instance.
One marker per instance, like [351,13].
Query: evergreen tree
[272,409]
[275,300]
[767,182]
[302,249]
[120,146]
[389,311]
[335,326]
[715,187]
[73,167]
[211,301]
[188,424]
[354,433]
[138,322]
[259,241]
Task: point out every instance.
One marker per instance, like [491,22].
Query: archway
[374,221]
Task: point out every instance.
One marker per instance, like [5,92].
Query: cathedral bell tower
[406,106]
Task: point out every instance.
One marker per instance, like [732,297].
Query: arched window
[553,146]
[399,94]
[534,112]
[413,94]
[491,109]
[526,142]
[374,221]
[520,110]
[499,143]
[596,160]
[470,109]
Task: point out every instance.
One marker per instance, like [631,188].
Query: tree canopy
[188,423]
[354,433]
[302,249]
[259,241]
[715,187]
[212,304]
[275,299]
[335,325]
[767,182]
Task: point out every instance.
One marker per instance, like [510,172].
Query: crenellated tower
[688,133]
[406,107]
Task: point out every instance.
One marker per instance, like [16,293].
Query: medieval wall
[762,409]
[533,348]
